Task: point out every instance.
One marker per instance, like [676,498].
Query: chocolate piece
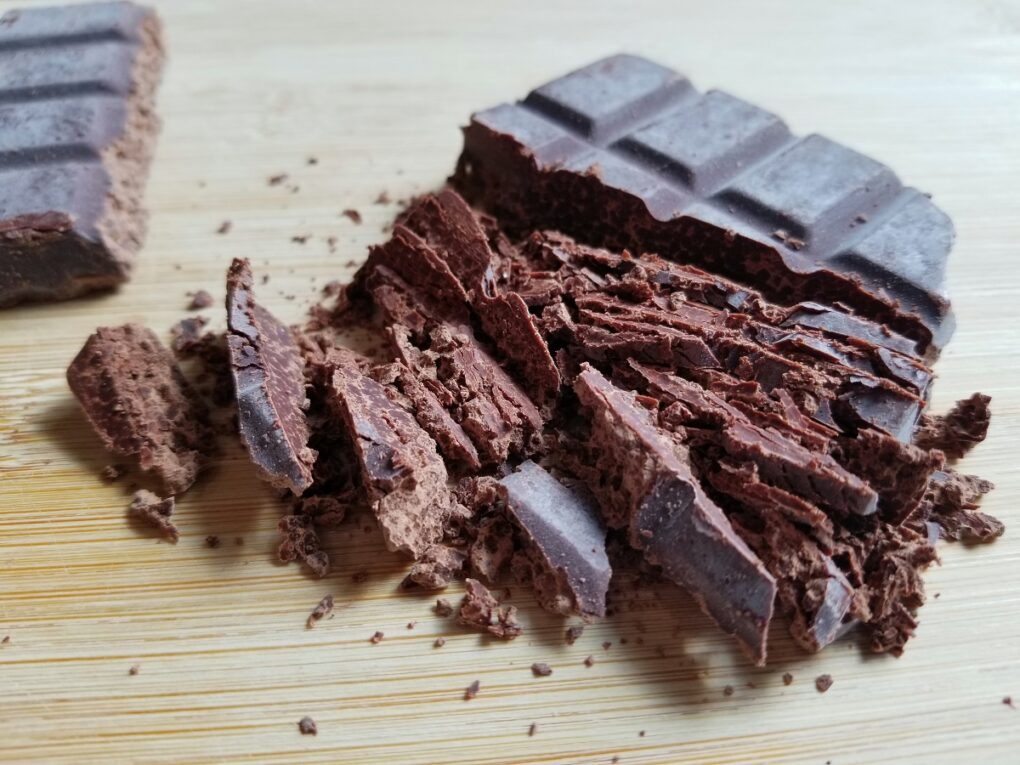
[155,511]
[959,430]
[952,500]
[435,568]
[823,683]
[187,335]
[308,727]
[298,541]
[644,484]
[140,404]
[269,383]
[443,608]
[199,300]
[320,612]
[403,475]
[77,132]
[541,669]
[472,690]
[626,153]
[564,541]
[480,610]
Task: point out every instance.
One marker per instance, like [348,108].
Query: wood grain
[375,91]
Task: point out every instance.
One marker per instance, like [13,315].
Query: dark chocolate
[77,132]
[267,368]
[626,153]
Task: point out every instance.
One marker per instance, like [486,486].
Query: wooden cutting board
[375,91]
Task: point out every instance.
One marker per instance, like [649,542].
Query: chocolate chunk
[77,132]
[823,683]
[951,502]
[140,404]
[959,430]
[320,612]
[644,484]
[626,153]
[269,383]
[480,610]
[573,633]
[565,543]
[155,511]
[402,473]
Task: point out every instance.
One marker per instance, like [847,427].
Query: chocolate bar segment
[77,132]
[626,153]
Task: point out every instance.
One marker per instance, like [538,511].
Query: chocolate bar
[626,153]
[77,132]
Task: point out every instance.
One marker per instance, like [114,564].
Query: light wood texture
[376,91]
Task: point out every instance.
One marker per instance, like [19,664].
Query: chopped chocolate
[78,133]
[376,637]
[320,612]
[140,404]
[541,669]
[443,608]
[155,511]
[308,727]
[480,610]
[564,547]
[298,541]
[353,215]
[472,690]
[959,430]
[951,502]
[199,300]
[573,633]
[823,683]
[269,382]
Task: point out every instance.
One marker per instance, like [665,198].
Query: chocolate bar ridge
[626,153]
[77,132]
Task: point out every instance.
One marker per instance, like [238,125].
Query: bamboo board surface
[376,91]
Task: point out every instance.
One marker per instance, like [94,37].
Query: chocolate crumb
[728,690]
[541,669]
[616,758]
[6,640]
[301,238]
[312,160]
[1008,701]
[443,608]
[308,727]
[111,473]
[212,541]
[331,243]
[532,729]
[787,678]
[410,625]
[225,227]
[472,690]
[861,218]
[606,645]
[590,661]
[377,637]
[135,669]
[823,683]
[353,215]
[321,611]
[359,577]
[276,180]
[382,199]
[151,509]
[440,642]
[623,641]
[573,633]
[238,541]
[641,733]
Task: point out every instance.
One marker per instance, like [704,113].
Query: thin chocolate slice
[402,473]
[268,373]
[565,543]
[626,153]
[142,407]
[644,484]
[77,132]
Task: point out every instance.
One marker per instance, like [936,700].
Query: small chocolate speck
[383,198]
[590,661]
[6,640]
[212,541]
[823,683]
[111,473]
[1008,701]
[225,227]
[312,161]
[377,637]
[359,577]
[532,729]
[728,690]
[472,690]
[541,669]
[440,642]
[623,641]
[265,278]
[607,645]
[331,243]
[861,218]
[787,678]
[301,238]
[573,633]
[307,726]
[443,607]
[616,758]
[352,215]
[135,669]
[276,180]
[641,733]
[410,625]
[321,611]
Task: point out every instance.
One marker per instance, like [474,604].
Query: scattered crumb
[353,215]
[332,288]
[573,633]
[590,661]
[532,729]
[321,611]
[1007,700]
[481,611]
[307,726]
[265,278]
[751,684]
[6,640]
[440,642]
[641,733]
[225,227]
[787,678]
[823,683]
[111,473]
[541,669]
[607,645]
[359,577]
[301,238]
[149,508]
[861,218]
[623,641]
[938,595]
[472,690]
[728,690]
[616,758]
[238,541]
[383,198]
[410,625]
[443,608]
[377,637]
[276,180]
[312,161]
[135,669]
[331,243]
[200,299]
[350,264]
[212,541]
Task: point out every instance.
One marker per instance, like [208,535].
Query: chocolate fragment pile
[77,132]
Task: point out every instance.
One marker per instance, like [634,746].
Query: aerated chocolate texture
[626,153]
[77,131]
